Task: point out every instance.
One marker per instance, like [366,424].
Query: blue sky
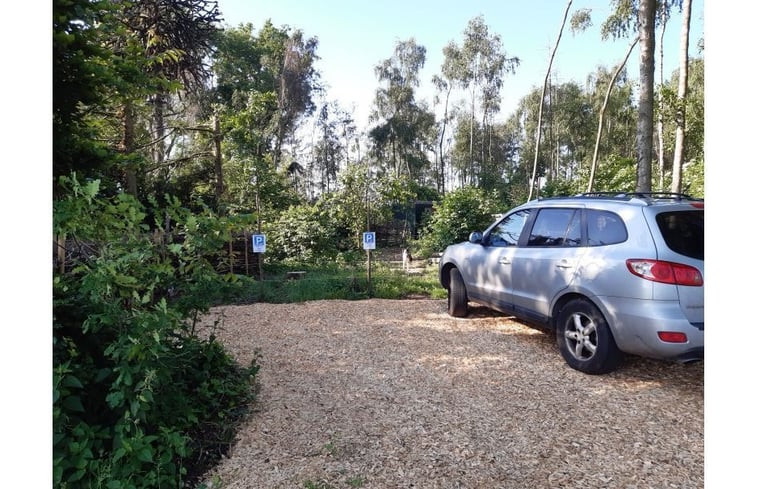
[355,36]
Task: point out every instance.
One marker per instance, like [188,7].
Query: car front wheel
[585,340]
[457,296]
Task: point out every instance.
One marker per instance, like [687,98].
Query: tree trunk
[159,127]
[541,101]
[645,124]
[441,144]
[660,107]
[683,76]
[470,147]
[218,158]
[126,145]
[602,115]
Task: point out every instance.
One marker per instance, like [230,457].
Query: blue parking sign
[369,240]
[258,243]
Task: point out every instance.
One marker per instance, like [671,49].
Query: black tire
[457,296]
[585,340]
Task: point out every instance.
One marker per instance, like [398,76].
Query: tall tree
[541,101]
[600,124]
[443,86]
[645,125]
[404,125]
[480,64]
[683,73]
[328,151]
[297,80]
[660,107]
[174,37]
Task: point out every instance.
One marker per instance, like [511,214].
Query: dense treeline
[171,134]
[237,117]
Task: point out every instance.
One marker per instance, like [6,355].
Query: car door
[547,261]
[489,265]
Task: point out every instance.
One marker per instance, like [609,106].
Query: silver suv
[610,273]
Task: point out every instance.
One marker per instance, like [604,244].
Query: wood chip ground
[397,394]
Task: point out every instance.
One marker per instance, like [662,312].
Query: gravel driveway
[397,394]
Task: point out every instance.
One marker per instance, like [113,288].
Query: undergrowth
[143,395]
[326,282]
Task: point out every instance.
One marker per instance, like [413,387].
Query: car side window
[556,227]
[507,232]
[605,228]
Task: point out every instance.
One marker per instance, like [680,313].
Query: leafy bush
[303,233]
[459,213]
[136,389]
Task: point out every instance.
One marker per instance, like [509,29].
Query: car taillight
[672,337]
[666,272]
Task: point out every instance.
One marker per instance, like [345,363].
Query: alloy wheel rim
[581,336]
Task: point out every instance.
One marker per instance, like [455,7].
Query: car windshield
[683,232]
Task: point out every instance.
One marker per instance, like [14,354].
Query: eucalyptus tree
[403,125]
[683,73]
[600,124]
[479,65]
[645,127]
[693,150]
[571,125]
[443,87]
[541,99]
[637,18]
[664,16]
[328,151]
[296,81]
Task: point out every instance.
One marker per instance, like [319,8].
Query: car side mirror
[476,237]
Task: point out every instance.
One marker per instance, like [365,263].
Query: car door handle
[504,261]
[564,264]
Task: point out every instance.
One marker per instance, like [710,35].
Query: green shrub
[136,389]
[303,233]
[458,214]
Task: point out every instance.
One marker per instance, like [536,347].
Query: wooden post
[246,254]
[231,254]
[61,251]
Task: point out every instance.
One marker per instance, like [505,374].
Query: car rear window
[604,228]
[683,232]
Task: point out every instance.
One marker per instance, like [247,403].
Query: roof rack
[638,195]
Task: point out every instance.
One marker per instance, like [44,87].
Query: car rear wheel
[585,340]
[457,296]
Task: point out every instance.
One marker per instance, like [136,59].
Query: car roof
[630,198]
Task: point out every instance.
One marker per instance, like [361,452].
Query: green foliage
[344,277]
[693,178]
[135,389]
[458,214]
[303,233]
[363,202]
[613,174]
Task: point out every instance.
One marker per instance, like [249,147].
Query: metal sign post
[369,243]
[258,246]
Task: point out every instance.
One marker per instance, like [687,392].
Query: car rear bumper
[635,325]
